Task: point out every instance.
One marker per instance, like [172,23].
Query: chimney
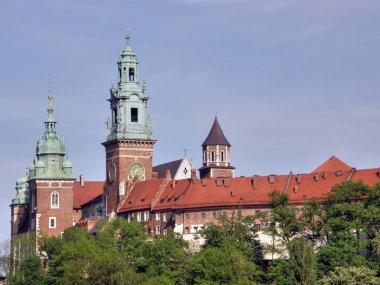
[81,180]
[168,176]
[173,183]
[154,175]
[193,174]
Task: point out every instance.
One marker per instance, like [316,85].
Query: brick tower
[216,154]
[129,139]
[44,201]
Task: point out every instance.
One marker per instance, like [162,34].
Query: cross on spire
[127,30]
[50,97]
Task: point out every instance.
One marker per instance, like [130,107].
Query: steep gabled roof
[88,192]
[172,166]
[216,136]
[332,164]
[241,191]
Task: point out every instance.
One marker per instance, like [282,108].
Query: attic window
[162,201]
[339,173]
[254,182]
[175,199]
[203,182]
[316,176]
[219,181]
[226,182]
[169,200]
[298,178]
[134,115]
[272,178]
[142,199]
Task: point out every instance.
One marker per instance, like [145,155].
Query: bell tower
[216,154]
[129,137]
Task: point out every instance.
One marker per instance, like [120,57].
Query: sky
[292,81]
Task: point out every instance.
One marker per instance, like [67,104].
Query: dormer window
[131,74]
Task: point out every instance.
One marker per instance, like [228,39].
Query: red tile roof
[83,195]
[244,191]
[332,164]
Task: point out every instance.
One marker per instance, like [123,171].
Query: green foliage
[351,276]
[237,231]
[280,272]
[223,266]
[344,229]
[30,273]
[302,261]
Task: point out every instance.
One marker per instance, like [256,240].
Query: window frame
[52,204]
[55,222]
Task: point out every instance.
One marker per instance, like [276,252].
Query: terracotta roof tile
[243,191]
[83,195]
[332,164]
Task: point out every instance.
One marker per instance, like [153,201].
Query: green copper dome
[50,152]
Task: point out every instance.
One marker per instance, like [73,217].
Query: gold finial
[50,97]
[127,30]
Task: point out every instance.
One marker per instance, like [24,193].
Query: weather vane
[127,30]
[50,96]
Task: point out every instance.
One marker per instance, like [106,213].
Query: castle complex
[167,197]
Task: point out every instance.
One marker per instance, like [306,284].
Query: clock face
[112,173]
[136,169]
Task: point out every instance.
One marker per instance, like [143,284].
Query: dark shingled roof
[172,166]
[216,136]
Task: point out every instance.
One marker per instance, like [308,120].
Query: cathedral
[167,197]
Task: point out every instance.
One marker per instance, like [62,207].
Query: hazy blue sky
[291,80]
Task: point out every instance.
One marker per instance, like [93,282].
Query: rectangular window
[157,216]
[165,232]
[187,230]
[164,217]
[225,214]
[158,230]
[129,217]
[196,229]
[52,222]
[134,115]
[203,216]
[146,216]
[257,212]
[187,216]
[214,215]
[139,217]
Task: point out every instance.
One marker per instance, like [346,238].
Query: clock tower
[129,137]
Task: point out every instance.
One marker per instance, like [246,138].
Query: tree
[223,266]
[350,276]
[30,272]
[4,257]
[164,257]
[302,261]
[237,231]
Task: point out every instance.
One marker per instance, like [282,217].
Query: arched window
[131,74]
[212,156]
[55,200]
[222,155]
[124,73]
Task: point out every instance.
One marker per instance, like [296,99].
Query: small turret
[216,154]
